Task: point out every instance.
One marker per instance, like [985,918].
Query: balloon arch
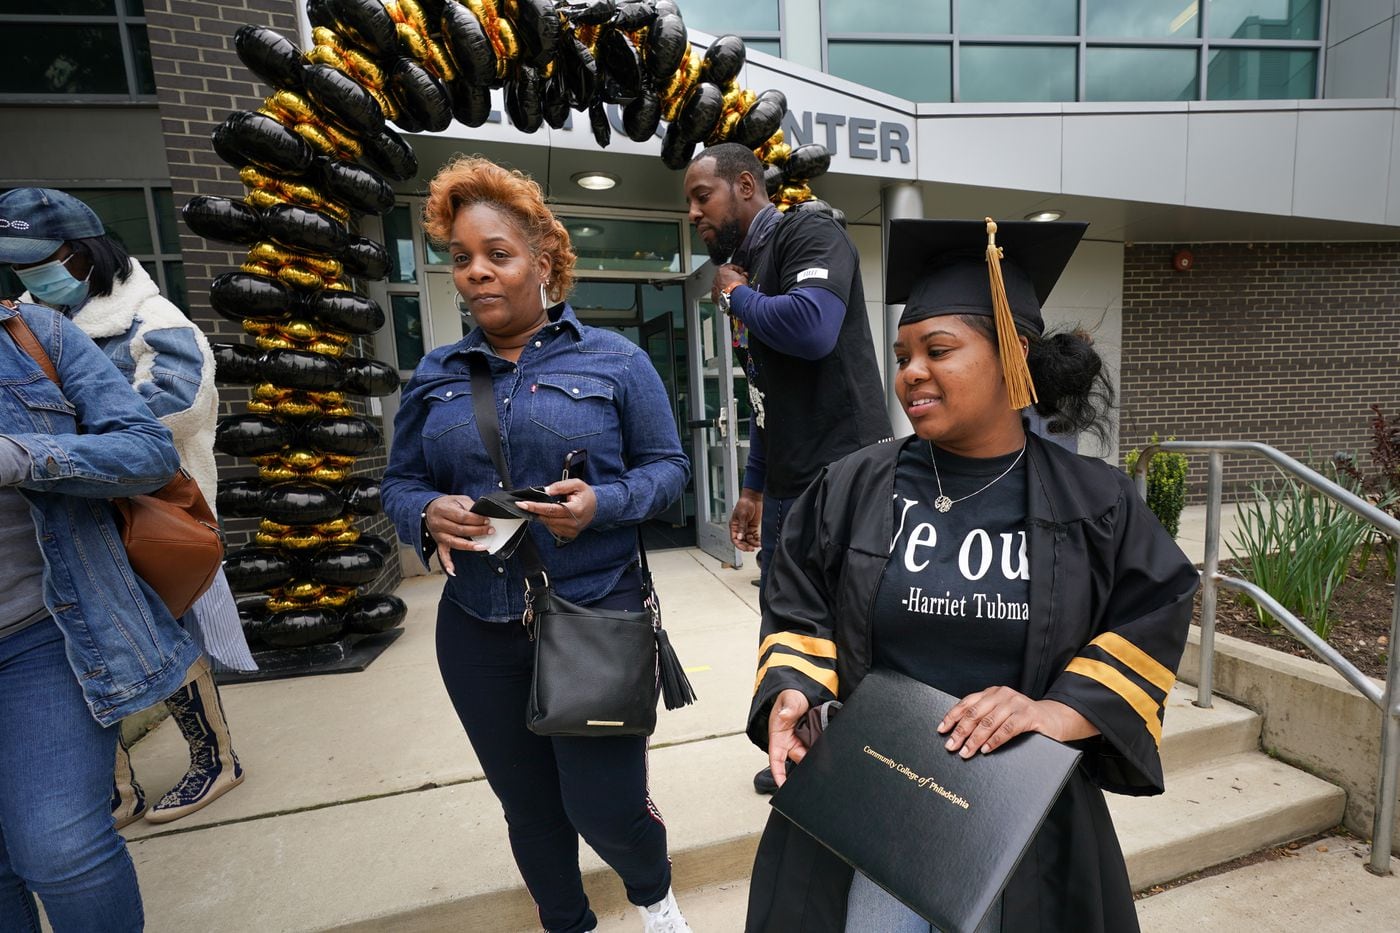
[318,153]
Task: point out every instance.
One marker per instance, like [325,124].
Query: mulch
[1361,616]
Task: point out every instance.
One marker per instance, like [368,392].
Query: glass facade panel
[922,72]
[398,240]
[612,303]
[434,257]
[123,213]
[720,17]
[135,8]
[41,58]
[616,245]
[1018,17]
[62,8]
[766,46]
[896,18]
[141,60]
[1261,74]
[1143,19]
[1016,73]
[408,329]
[175,289]
[1140,74]
[166,224]
[1264,19]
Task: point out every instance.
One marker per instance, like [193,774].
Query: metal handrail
[1387,700]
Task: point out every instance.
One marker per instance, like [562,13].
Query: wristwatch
[724,301]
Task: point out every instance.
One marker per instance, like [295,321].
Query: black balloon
[468,45]
[538,29]
[250,435]
[383,546]
[703,108]
[301,503]
[591,12]
[391,155]
[346,566]
[556,100]
[580,71]
[665,48]
[619,58]
[257,568]
[772,180]
[367,24]
[598,121]
[471,103]
[761,120]
[269,55]
[239,498]
[362,496]
[641,117]
[222,219]
[346,311]
[366,258]
[297,628]
[304,230]
[807,162]
[634,14]
[252,606]
[343,98]
[301,369]
[358,188]
[235,363]
[524,99]
[420,94]
[676,152]
[246,138]
[724,60]
[369,377]
[349,436]
[245,296]
[378,612]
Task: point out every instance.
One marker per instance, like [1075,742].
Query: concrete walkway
[364,800]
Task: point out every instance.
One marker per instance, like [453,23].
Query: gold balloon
[333,527]
[349,536]
[304,589]
[326,347]
[298,408]
[327,474]
[777,155]
[259,408]
[299,277]
[299,329]
[268,526]
[316,137]
[266,540]
[258,268]
[270,392]
[337,337]
[274,342]
[303,459]
[340,460]
[330,268]
[338,411]
[302,541]
[364,70]
[326,398]
[333,598]
[282,604]
[276,474]
[269,253]
[258,328]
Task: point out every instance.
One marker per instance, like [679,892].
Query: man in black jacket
[793,281]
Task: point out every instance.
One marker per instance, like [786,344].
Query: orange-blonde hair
[468,180]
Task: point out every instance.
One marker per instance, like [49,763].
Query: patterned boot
[214,768]
[128,800]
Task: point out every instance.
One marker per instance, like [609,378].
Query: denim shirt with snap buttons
[574,387]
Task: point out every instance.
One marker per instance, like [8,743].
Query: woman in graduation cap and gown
[985,561]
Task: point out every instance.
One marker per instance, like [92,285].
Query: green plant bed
[1360,618]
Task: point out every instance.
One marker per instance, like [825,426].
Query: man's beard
[727,239]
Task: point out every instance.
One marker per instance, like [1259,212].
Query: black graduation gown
[1110,604]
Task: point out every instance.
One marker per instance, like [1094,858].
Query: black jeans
[553,789]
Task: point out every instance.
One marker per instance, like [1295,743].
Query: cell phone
[575,462]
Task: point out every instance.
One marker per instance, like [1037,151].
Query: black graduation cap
[1003,271]
[939,267]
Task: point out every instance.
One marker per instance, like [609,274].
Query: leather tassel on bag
[675,686]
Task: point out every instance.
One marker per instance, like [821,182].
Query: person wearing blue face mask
[60,251]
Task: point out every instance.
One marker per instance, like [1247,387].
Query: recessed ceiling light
[1045,216]
[595,181]
[584,229]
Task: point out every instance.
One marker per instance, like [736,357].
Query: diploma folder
[941,834]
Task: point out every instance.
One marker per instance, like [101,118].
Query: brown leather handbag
[171,536]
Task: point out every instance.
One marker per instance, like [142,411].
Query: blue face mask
[53,284]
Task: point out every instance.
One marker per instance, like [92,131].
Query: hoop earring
[544,296]
[461,308]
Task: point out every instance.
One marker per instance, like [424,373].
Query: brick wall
[1283,343]
[200,81]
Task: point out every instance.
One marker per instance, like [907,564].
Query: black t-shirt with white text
[953,604]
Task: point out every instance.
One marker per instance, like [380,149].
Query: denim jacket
[574,387]
[93,441]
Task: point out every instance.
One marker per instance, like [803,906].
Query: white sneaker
[664,916]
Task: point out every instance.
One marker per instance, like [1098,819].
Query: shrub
[1382,488]
[1298,545]
[1166,484]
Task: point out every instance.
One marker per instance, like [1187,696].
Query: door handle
[720,421]
[702,423]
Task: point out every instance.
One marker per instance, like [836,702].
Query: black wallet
[940,833]
[501,503]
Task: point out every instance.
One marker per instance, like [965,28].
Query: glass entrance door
[712,418]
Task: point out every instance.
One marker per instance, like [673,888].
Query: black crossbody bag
[597,671]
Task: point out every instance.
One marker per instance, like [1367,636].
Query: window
[1066,50]
[75,49]
[757,22]
[143,221]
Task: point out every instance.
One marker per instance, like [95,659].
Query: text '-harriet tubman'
[927,783]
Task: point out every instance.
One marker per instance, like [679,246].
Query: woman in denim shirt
[83,641]
[559,386]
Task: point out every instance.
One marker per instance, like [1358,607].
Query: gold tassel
[1020,388]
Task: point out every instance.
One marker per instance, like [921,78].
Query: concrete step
[1192,736]
[1218,811]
